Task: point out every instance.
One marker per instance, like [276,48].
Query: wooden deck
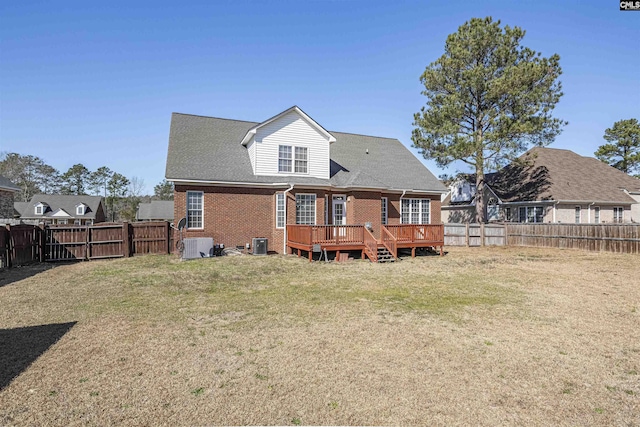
[357,238]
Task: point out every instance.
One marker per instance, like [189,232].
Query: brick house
[7,192]
[550,185]
[237,180]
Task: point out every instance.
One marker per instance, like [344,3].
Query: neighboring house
[7,192]
[552,186]
[237,180]
[157,210]
[62,209]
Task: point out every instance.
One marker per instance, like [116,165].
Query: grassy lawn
[487,336]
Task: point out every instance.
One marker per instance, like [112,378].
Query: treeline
[122,195]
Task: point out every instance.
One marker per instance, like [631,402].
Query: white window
[596,215]
[280,210]
[284,158]
[578,212]
[533,214]
[80,210]
[195,209]
[618,214]
[415,211]
[506,213]
[306,209]
[383,211]
[301,160]
[39,209]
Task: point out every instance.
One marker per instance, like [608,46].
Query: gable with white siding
[295,130]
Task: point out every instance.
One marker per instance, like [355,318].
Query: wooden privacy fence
[592,237]
[23,244]
[475,235]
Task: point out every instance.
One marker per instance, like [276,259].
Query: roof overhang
[11,189]
[252,132]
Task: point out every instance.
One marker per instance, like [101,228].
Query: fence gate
[65,243]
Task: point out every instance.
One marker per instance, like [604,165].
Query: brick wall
[6,204]
[233,216]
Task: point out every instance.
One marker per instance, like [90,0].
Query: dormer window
[301,160]
[284,158]
[286,163]
[40,208]
[80,210]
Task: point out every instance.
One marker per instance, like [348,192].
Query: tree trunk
[480,208]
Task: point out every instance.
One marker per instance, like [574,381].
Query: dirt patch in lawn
[481,336]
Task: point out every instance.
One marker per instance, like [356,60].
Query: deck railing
[406,233]
[370,245]
[326,234]
[389,242]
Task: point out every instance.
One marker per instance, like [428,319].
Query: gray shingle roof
[209,149]
[157,209]
[6,184]
[59,201]
[557,174]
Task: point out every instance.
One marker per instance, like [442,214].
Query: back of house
[238,180]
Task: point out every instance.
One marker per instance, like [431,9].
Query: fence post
[482,234]
[41,242]
[126,240]
[167,233]
[466,234]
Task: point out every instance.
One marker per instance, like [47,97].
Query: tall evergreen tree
[488,99]
[623,150]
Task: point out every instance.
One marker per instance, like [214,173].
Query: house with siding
[7,192]
[238,180]
[62,209]
[549,185]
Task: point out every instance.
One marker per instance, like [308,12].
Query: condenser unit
[197,247]
[259,246]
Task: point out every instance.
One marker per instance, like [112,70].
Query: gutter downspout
[589,212]
[403,193]
[284,244]
[554,211]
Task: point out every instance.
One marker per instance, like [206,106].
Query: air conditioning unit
[198,247]
[259,246]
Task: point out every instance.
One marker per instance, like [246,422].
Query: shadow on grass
[20,347]
[15,274]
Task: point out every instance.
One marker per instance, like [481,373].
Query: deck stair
[384,255]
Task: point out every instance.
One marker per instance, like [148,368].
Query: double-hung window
[533,214]
[415,211]
[301,160]
[284,158]
[280,210]
[293,159]
[383,211]
[306,209]
[596,213]
[618,215]
[195,204]
[578,214]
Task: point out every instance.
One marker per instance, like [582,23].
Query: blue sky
[96,82]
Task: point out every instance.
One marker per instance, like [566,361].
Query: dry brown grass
[488,336]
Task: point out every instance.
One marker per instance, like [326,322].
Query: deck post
[362,255]
[338,256]
[441,250]
[413,252]
[298,252]
[310,255]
